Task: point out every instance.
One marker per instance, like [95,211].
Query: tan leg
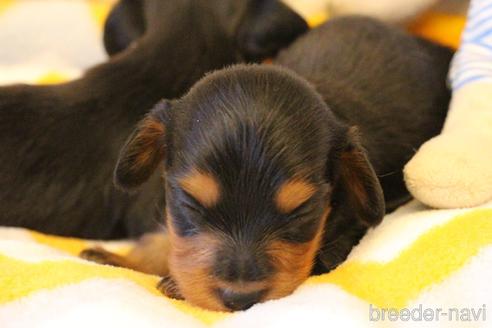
[150,255]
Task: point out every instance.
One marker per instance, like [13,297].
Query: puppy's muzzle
[239,301]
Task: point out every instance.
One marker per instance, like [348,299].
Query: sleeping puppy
[60,143]
[269,178]
[259,28]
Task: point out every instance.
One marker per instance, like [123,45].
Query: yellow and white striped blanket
[417,261]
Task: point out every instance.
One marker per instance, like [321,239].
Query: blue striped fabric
[473,61]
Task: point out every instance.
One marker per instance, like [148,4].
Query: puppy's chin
[201,291]
[190,266]
[198,287]
[192,258]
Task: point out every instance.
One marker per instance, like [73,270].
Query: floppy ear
[357,201]
[357,190]
[266,27]
[144,149]
[125,24]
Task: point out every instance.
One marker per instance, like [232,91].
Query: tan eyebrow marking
[201,186]
[292,194]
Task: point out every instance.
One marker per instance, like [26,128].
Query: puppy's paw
[168,287]
[101,256]
[452,170]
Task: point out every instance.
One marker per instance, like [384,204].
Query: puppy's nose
[244,267]
[240,301]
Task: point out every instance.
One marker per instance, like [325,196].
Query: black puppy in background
[269,178]
[259,28]
[59,144]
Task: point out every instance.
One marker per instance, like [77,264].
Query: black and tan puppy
[269,178]
[59,144]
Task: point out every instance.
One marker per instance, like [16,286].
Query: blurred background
[49,41]
[46,41]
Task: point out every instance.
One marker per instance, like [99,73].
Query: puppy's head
[255,29]
[253,160]
[258,28]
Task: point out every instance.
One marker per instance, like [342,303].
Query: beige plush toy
[454,169]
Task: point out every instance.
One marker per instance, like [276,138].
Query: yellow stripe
[25,278]
[99,10]
[4,5]
[429,260]
[52,78]
[70,245]
[74,246]
[317,19]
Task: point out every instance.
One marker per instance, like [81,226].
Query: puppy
[259,28]
[269,178]
[60,143]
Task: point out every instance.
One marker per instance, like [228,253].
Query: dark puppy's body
[124,25]
[266,179]
[60,143]
[389,85]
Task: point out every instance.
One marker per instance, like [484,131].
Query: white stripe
[466,74]
[474,51]
[472,34]
[479,17]
[94,303]
[473,61]
[477,6]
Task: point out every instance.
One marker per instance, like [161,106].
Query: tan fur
[352,171]
[190,262]
[293,262]
[202,186]
[150,133]
[148,139]
[150,255]
[292,194]
[186,264]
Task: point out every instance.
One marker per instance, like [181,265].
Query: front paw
[168,287]
[99,255]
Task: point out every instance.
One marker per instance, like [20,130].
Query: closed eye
[302,211]
[300,231]
[188,217]
[186,224]
[302,224]
[311,204]
[191,204]
[192,208]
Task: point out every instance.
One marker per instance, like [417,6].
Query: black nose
[247,267]
[239,301]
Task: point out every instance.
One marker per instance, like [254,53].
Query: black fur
[60,143]
[389,85]
[256,127]
[124,25]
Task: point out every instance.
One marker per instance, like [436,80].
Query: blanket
[420,267]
